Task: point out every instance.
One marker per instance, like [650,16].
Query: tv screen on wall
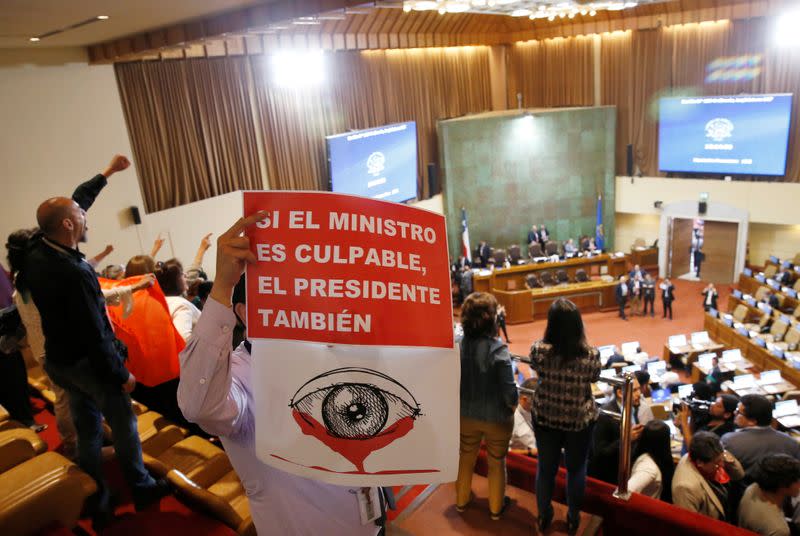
[380,163]
[737,135]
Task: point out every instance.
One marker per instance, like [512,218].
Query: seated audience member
[221,401]
[777,479]
[710,296]
[653,467]
[702,480]
[140,265]
[203,290]
[523,440]
[645,409]
[569,246]
[784,277]
[584,243]
[488,399]
[755,437]
[172,281]
[604,458]
[714,377]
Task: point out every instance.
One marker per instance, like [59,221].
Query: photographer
[697,415]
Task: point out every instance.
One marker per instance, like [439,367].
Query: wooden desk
[645,258]
[699,372]
[500,278]
[750,285]
[529,305]
[690,351]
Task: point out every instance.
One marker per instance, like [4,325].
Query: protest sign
[355,377]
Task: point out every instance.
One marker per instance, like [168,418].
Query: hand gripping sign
[349,312]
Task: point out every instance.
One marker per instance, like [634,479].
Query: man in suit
[667,296]
[484,252]
[710,295]
[755,437]
[544,235]
[637,270]
[533,235]
[569,246]
[649,294]
[604,455]
[621,294]
[772,300]
[697,477]
[699,257]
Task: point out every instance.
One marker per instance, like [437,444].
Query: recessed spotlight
[34,39]
[592,13]
[102,17]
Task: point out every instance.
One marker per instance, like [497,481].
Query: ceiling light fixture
[520,12]
[34,39]
[102,17]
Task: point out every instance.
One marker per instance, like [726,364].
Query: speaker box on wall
[702,207]
[629,160]
[135,216]
[433,179]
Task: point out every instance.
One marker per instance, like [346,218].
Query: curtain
[191,128]
[367,89]
[552,72]
[616,68]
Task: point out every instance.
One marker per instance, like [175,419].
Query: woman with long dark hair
[488,400]
[564,411]
[653,466]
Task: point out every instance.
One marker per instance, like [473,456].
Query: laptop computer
[705,360]
[629,348]
[685,391]
[769,377]
[657,368]
[732,356]
[608,373]
[786,412]
[605,353]
[676,341]
[631,368]
[744,381]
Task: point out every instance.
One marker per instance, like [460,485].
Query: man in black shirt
[82,357]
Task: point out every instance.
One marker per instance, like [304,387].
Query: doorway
[712,244]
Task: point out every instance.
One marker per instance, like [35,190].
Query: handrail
[624,418]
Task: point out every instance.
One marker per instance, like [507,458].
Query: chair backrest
[778,329]
[740,313]
[499,256]
[764,320]
[791,395]
[514,253]
[551,248]
[797,285]
[792,336]
[770,270]
[532,281]
[761,292]
[546,276]
[580,276]
[535,250]
[561,276]
[796,259]
[796,312]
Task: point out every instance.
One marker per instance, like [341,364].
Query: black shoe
[506,503]
[572,525]
[144,498]
[544,521]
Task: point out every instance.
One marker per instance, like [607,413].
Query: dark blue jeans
[91,399]
[549,443]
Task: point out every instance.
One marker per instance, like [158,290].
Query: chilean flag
[465,249]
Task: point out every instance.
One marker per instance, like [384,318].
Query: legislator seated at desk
[725,368]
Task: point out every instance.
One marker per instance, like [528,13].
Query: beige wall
[772,208]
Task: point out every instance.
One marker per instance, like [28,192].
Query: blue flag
[599,235]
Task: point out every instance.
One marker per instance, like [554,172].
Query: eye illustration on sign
[354,411]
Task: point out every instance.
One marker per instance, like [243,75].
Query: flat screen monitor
[630,348]
[739,134]
[685,391]
[706,360]
[631,368]
[700,337]
[731,356]
[676,340]
[744,381]
[785,408]
[380,163]
[657,368]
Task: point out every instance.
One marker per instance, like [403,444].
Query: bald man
[82,354]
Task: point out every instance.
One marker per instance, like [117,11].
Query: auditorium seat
[41,383]
[561,276]
[776,332]
[499,256]
[12,430]
[151,423]
[216,488]
[790,340]
[796,259]
[796,285]
[168,449]
[740,313]
[4,415]
[532,281]
[580,276]
[42,491]
[759,326]
[514,254]
[761,293]
[547,278]
[770,270]
[535,250]
[551,248]
[14,451]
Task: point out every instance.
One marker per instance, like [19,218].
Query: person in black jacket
[649,294]
[621,294]
[699,257]
[604,456]
[667,296]
[710,295]
[82,355]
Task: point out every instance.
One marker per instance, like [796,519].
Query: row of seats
[37,488]
[545,278]
[199,471]
[513,254]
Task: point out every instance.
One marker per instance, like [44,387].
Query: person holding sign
[215,392]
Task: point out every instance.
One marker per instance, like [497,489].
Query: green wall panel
[511,171]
